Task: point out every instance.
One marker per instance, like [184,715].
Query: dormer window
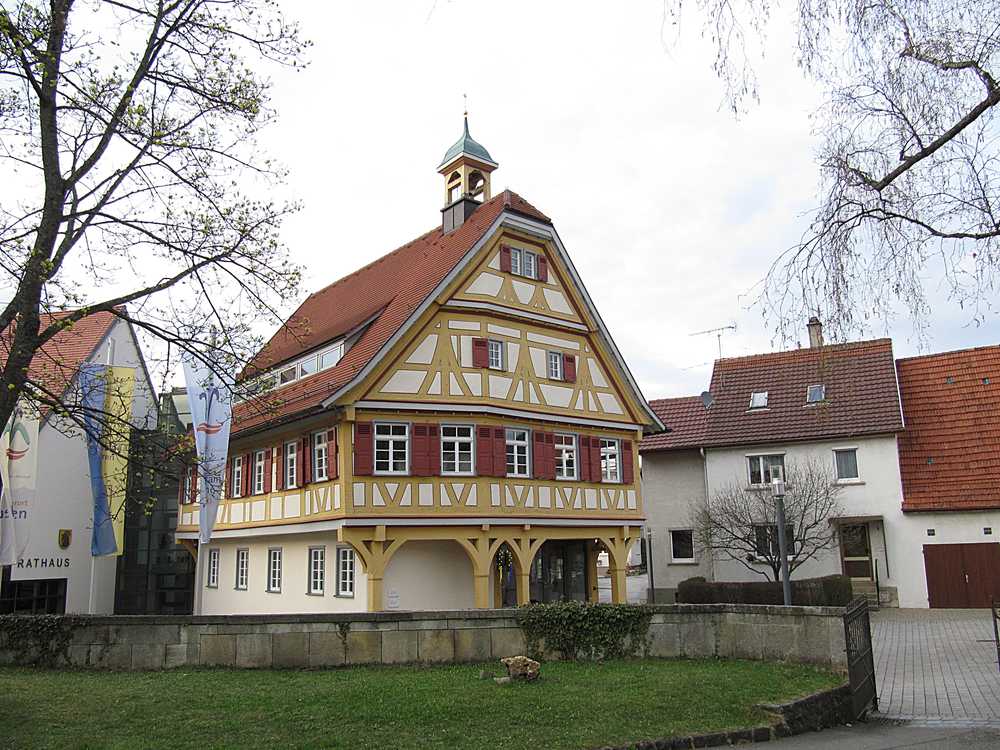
[758,400]
[815,394]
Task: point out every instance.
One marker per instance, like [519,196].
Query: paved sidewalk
[937,664]
[886,735]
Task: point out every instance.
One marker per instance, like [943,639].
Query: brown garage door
[962,575]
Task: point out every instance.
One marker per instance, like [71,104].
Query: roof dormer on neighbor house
[451,426]
[836,404]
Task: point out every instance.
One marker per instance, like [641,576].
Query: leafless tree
[910,185]
[739,522]
[132,181]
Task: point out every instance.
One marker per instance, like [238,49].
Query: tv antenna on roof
[718,334]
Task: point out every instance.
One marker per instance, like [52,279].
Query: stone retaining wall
[803,634]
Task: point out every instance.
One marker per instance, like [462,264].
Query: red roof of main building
[861,399]
[949,456]
[387,291]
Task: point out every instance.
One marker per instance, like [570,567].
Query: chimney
[815,333]
[455,214]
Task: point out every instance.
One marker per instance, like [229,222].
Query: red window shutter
[628,475]
[332,456]
[307,459]
[543,268]
[267,470]
[583,458]
[569,368]
[228,478]
[193,478]
[595,459]
[499,452]
[363,449]
[505,258]
[550,455]
[484,451]
[480,353]
[538,462]
[279,479]
[433,450]
[418,451]
[246,475]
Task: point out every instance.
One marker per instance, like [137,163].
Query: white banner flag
[211,403]
[18,471]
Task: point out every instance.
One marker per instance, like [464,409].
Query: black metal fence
[995,610]
[860,657]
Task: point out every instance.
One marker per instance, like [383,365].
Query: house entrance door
[856,551]
[558,574]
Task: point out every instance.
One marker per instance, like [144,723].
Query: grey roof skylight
[758,400]
[815,393]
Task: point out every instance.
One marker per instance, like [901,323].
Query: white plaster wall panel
[510,497]
[406,500]
[404,381]
[544,496]
[430,575]
[276,508]
[604,500]
[499,386]
[579,401]
[424,353]
[475,382]
[533,394]
[524,292]
[609,403]
[454,346]
[236,513]
[494,495]
[425,495]
[556,395]
[466,346]
[494,262]
[591,494]
[503,331]
[258,510]
[596,373]
[556,301]
[464,325]
[540,338]
[454,388]
[538,362]
[336,496]
[486,284]
[292,505]
[377,500]
[359,494]
[292,599]
[519,392]
[631,500]
[472,500]
[434,388]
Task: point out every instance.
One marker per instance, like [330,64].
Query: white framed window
[681,545]
[321,471]
[345,571]
[846,462]
[392,448]
[457,449]
[317,570]
[565,450]
[555,366]
[237,477]
[274,570]
[759,468]
[758,400]
[496,352]
[242,569]
[766,539]
[287,375]
[258,473]
[530,262]
[212,574]
[291,461]
[517,453]
[515,261]
[815,393]
[610,464]
[186,478]
[331,356]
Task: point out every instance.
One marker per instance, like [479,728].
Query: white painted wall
[64,500]
[293,597]
[429,575]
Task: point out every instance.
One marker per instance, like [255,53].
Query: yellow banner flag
[114,464]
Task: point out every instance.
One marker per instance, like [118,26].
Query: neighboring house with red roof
[949,459]
[456,404]
[54,571]
[835,404]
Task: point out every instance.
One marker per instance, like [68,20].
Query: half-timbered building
[451,426]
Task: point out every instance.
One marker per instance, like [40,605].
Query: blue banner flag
[93,387]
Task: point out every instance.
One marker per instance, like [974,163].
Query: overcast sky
[670,207]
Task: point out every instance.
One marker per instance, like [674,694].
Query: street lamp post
[649,566]
[778,490]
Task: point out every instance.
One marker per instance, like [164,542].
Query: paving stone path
[937,665]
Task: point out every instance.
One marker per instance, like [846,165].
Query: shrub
[828,591]
[585,631]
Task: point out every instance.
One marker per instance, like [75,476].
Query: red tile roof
[949,456]
[390,289]
[686,419]
[861,397]
[56,364]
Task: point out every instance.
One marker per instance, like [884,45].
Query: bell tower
[466,169]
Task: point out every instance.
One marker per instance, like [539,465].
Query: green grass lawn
[572,706]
